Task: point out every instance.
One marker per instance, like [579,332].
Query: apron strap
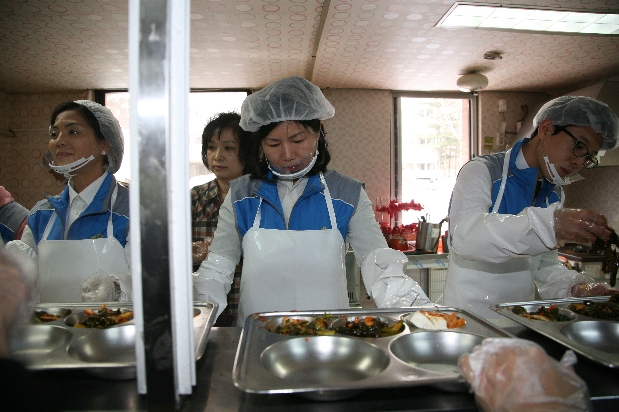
[499,196]
[329,202]
[256,224]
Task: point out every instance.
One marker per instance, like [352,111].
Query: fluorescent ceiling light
[525,18]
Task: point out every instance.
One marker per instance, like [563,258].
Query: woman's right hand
[579,226]
[199,249]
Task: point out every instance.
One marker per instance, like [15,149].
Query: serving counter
[73,391]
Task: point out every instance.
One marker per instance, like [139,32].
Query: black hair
[557,130]
[84,112]
[215,127]
[257,160]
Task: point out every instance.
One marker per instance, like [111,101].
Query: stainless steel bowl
[324,361]
[596,334]
[34,342]
[436,351]
[113,346]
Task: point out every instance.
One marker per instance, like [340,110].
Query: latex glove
[579,226]
[100,287]
[199,249]
[593,289]
[509,374]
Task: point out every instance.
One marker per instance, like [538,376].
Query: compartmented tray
[593,338]
[106,353]
[338,366]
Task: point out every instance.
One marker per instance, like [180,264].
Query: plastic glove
[593,289]
[100,287]
[509,374]
[579,226]
[199,249]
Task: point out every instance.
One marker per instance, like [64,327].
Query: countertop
[215,391]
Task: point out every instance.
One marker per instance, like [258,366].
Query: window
[202,107]
[433,135]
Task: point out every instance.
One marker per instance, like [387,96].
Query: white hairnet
[582,111]
[110,129]
[292,98]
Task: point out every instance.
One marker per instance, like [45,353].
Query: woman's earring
[103,152]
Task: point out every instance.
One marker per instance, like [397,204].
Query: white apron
[287,270]
[65,264]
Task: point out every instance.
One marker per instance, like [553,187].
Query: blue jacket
[520,186]
[309,212]
[92,223]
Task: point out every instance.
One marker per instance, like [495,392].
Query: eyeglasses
[580,149]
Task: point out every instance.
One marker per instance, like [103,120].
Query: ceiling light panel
[530,19]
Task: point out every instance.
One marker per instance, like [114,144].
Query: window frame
[396,154]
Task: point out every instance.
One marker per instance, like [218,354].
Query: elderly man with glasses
[506,217]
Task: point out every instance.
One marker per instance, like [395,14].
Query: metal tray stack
[338,366]
[595,339]
[106,353]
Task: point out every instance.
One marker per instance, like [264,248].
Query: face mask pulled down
[68,169]
[295,175]
[556,178]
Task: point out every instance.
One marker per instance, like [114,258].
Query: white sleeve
[211,283]
[364,232]
[26,248]
[383,270]
[476,234]
[554,280]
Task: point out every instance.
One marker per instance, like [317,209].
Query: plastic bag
[593,289]
[101,287]
[517,375]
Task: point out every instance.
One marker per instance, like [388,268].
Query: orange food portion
[452,319]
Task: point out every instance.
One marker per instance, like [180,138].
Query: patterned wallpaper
[360,137]
[597,192]
[28,116]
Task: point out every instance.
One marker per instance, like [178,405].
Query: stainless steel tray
[333,367]
[595,339]
[106,353]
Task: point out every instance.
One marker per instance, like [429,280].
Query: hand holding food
[579,226]
[199,249]
[100,287]
[517,375]
[593,289]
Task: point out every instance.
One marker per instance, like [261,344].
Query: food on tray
[292,326]
[369,327]
[103,318]
[547,314]
[43,316]
[437,320]
[598,310]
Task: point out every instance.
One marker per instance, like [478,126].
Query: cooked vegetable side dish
[369,327]
[547,314]
[104,318]
[43,316]
[598,310]
[298,327]
[366,327]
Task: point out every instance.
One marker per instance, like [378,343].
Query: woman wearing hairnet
[78,237]
[506,218]
[291,217]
